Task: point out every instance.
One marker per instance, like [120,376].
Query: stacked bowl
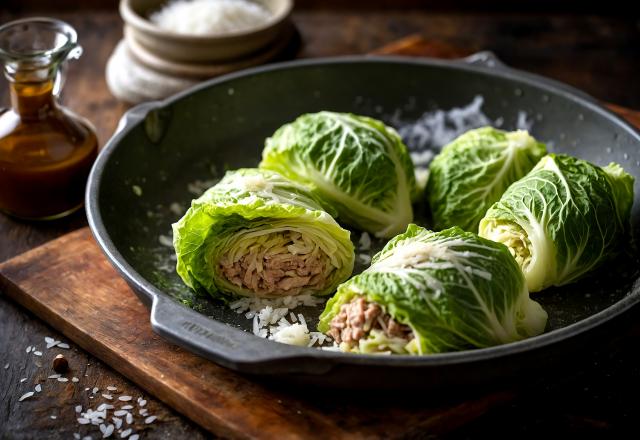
[152,62]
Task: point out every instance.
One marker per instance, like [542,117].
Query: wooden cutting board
[69,284]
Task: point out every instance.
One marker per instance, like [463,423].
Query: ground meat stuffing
[282,263]
[358,317]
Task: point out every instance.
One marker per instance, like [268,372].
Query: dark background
[613,7]
[592,45]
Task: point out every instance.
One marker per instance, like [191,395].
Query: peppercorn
[60,364]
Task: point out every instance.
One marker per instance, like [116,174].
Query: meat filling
[359,317]
[278,263]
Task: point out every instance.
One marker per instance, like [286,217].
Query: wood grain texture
[418,46]
[31,418]
[69,284]
[633,116]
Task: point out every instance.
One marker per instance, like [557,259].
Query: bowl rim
[202,71]
[286,353]
[139,23]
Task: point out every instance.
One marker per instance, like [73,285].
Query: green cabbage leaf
[256,233]
[454,289]
[563,219]
[357,164]
[472,172]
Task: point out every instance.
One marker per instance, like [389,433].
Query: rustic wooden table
[596,53]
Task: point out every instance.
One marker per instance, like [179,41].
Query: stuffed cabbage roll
[431,292]
[256,233]
[356,163]
[562,220]
[472,172]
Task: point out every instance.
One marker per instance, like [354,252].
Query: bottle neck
[32,100]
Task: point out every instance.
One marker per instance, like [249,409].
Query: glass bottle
[46,151]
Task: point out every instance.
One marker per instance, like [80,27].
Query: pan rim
[152,293]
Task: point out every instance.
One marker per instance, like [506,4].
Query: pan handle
[231,347]
[135,115]
[485,58]
[490,60]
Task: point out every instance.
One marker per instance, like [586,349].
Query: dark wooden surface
[52,281]
[598,53]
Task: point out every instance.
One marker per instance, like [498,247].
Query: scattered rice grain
[125,433]
[436,128]
[112,388]
[63,379]
[165,240]
[365,242]
[108,431]
[120,413]
[25,396]
[271,316]
[125,398]
[150,419]
[63,345]
[107,396]
[50,342]
[83,421]
[23,380]
[78,408]
[176,208]
[129,418]
[54,376]
[38,388]
[331,348]
[75,379]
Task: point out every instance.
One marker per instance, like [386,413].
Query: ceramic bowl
[213,48]
[199,70]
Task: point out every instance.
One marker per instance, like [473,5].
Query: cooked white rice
[274,319]
[206,17]
[364,244]
[434,129]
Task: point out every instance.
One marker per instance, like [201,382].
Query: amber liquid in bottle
[46,153]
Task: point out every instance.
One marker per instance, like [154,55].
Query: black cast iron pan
[164,153]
